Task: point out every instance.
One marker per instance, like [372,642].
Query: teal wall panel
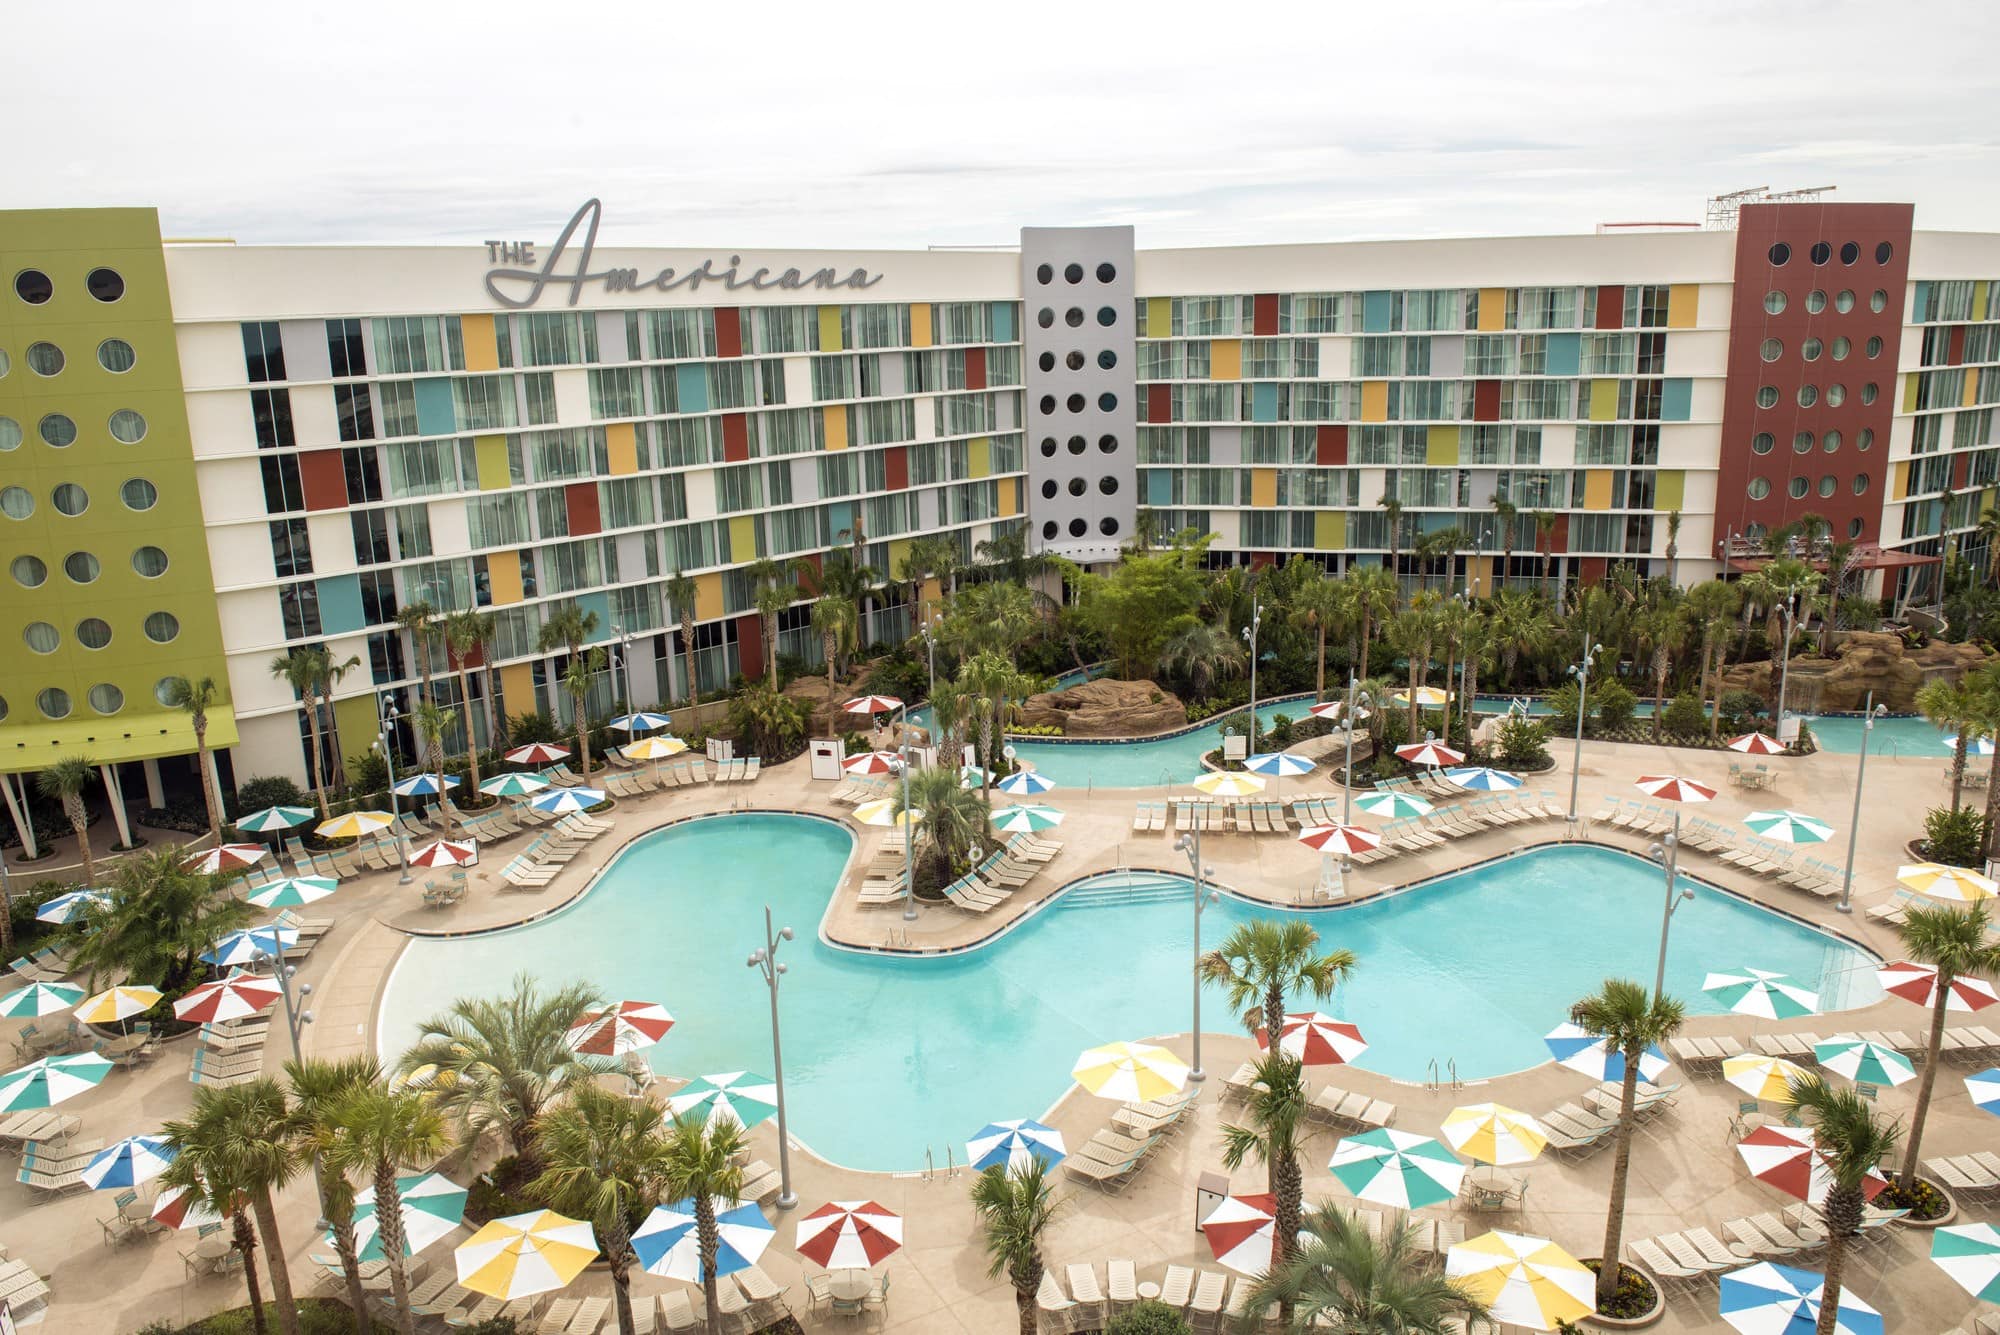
[1677,400]
[1565,354]
[1263,403]
[692,382]
[1003,322]
[1375,312]
[340,605]
[434,411]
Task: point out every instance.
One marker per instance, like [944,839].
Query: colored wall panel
[975,368]
[340,604]
[750,643]
[491,452]
[1264,487]
[323,479]
[1683,302]
[691,386]
[836,427]
[1330,446]
[1597,489]
[1971,395]
[580,500]
[735,437]
[1677,399]
[979,457]
[1159,317]
[840,520]
[1909,391]
[434,411]
[1979,297]
[1669,489]
[1010,494]
[503,575]
[517,689]
[1225,359]
[599,603]
[1159,487]
[1492,309]
[920,325]
[829,329]
[1900,485]
[1611,306]
[708,596]
[1486,400]
[1263,403]
[621,449]
[1003,322]
[1264,315]
[896,465]
[355,718]
[1565,353]
[1375,308]
[1374,400]
[1604,400]
[742,539]
[728,331]
[1329,530]
[481,352]
[1159,403]
[1441,446]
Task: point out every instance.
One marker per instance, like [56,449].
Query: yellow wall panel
[491,452]
[708,596]
[1979,299]
[1682,301]
[503,572]
[1901,483]
[1441,446]
[1971,390]
[979,457]
[1479,572]
[1374,400]
[742,539]
[1329,530]
[1492,309]
[1010,504]
[1225,359]
[1159,317]
[1264,486]
[1597,489]
[836,427]
[517,684]
[621,448]
[1669,489]
[898,549]
[829,329]
[1909,391]
[481,353]
[920,324]
[1604,400]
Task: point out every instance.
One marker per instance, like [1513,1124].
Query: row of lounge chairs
[990,884]
[21,1289]
[1335,1106]
[1766,859]
[17,1130]
[560,842]
[1975,1174]
[55,1168]
[1692,1258]
[854,789]
[1970,1043]
[231,1052]
[1114,1156]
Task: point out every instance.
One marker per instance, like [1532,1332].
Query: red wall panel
[975,368]
[728,331]
[1486,400]
[896,465]
[324,479]
[1330,446]
[735,437]
[1159,403]
[1264,318]
[1956,356]
[1590,569]
[1611,306]
[580,499]
[750,643]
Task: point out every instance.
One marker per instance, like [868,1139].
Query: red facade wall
[975,368]
[1159,403]
[896,465]
[750,643]
[580,499]
[1611,306]
[1330,446]
[324,479]
[1486,400]
[728,331]
[735,437]
[1264,315]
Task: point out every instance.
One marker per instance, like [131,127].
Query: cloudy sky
[845,124]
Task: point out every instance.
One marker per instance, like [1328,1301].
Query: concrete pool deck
[1685,1172]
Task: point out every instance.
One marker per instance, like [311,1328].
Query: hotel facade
[212,453]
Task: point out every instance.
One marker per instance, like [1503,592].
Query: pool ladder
[897,937]
[1447,1079]
[931,1173]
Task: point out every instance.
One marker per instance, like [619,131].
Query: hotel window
[1644,396]
[413,531]
[378,597]
[1425,401]
[1603,445]
[626,502]
[739,488]
[882,326]
[299,605]
[551,512]
[617,392]
[688,441]
[1646,306]
[564,339]
[1982,343]
[672,335]
[1268,359]
[1438,309]
[1211,403]
[1378,356]
[498,521]
[1003,366]
[832,378]
[344,349]
[263,351]
[1534,354]
[291,548]
[771,381]
[503,341]
[839,475]
[1652,354]
[673,496]
[787,329]
[1317,313]
[1199,316]
[1543,308]
[422,467]
[1926,435]
[963,414]
[1941,389]
[371,536]
[442,584]
[1005,456]
[1646,445]
[922,372]
[955,322]
[398,400]
[1159,361]
[1318,401]
[271,415]
[363,474]
[887,516]
[1536,400]
[485,402]
[793,530]
[732,384]
[782,433]
[282,489]
[1196,360]
[356,411]
[885,423]
[692,546]
[778,481]
[1941,301]
[418,343]
[1971,428]
[514,632]
[1609,354]
[1490,354]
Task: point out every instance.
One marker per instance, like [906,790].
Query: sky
[906,125]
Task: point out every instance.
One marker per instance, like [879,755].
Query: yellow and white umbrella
[882,811]
[1494,1134]
[1229,783]
[1766,1079]
[354,824]
[1130,1072]
[1428,697]
[119,1003]
[1524,1281]
[654,748]
[1958,885]
[525,1254]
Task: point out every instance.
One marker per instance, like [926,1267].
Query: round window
[1841,347]
[1883,251]
[45,358]
[1074,361]
[81,567]
[1836,395]
[1868,392]
[1774,302]
[1849,252]
[5,365]
[1767,396]
[1772,349]
[1808,395]
[116,356]
[10,434]
[1802,442]
[1050,531]
[1762,442]
[127,427]
[1815,301]
[33,286]
[1044,274]
[1077,528]
[53,702]
[1781,254]
[1828,484]
[1045,317]
[1106,273]
[105,284]
[1048,403]
[1797,488]
[1107,316]
[1075,403]
[1073,317]
[30,572]
[1073,273]
[1076,444]
[1854,525]
[1812,349]
[1877,300]
[167,691]
[69,499]
[1864,438]
[1047,361]
[93,633]
[1108,527]
[1048,447]
[1107,359]
[1107,444]
[41,637]
[149,562]
[1759,488]
[1049,490]
[16,503]
[3,708]
[1829,441]
[1874,348]
[1107,402]
[1076,486]
[1844,301]
[57,430]
[106,698]
[1861,484]
[1108,485]
[1821,252]
[162,627]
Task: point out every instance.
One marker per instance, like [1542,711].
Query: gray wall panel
[306,356]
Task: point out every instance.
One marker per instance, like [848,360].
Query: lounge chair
[1106,1176]
[760,1182]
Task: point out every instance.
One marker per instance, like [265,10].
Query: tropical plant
[420,619]
[1662,630]
[1143,602]
[434,724]
[840,573]
[379,1132]
[1149,1316]
[837,623]
[954,819]
[326,675]
[1014,1210]
[1955,838]
[299,669]
[1545,540]
[774,591]
[1712,607]
[65,781]
[1392,509]
[1629,1020]
[1851,1141]
[993,681]
[319,1087]
[1413,632]
[682,592]
[238,1140]
[467,632]
[606,1159]
[195,698]
[1259,963]
[1275,1107]
[204,1167]
[1341,1278]
[1371,593]
[1954,706]
[953,706]
[1205,654]
[768,720]
[159,919]
[698,1163]
[576,679]
[1506,517]
[1955,943]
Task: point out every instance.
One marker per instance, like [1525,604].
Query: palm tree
[837,623]
[1453,616]
[569,630]
[1371,597]
[420,619]
[202,1167]
[1014,1210]
[1662,629]
[1954,942]
[299,670]
[379,1132]
[195,698]
[503,1060]
[1951,705]
[160,917]
[992,679]
[682,592]
[954,817]
[319,1087]
[1851,1142]
[699,1164]
[1506,515]
[1320,605]
[1259,963]
[1205,654]
[1521,625]
[775,591]
[576,679]
[467,632]
[1275,1106]
[64,781]
[327,675]
[239,1139]
[433,724]
[842,574]
[1342,1279]
[1476,647]
[1712,606]
[1545,541]
[1393,508]
[952,707]
[607,1162]
[1412,632]
[1629,1020]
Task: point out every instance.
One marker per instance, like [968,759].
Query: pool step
[1143,889]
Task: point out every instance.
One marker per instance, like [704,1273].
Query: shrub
[1614,705]
[1395,728]
[1685,717]
[268,790]
[769,723]
[533,727]
[900,675]
[1524,741]
[367,772]
[1955,838]
[1149,1317]
[1279,734]
[1739,708]
[1562,702]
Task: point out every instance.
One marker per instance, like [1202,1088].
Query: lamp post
[1250,638]
[1872,712]
[1785,660]
[1581,672]
[1190,844]
[1667,854]
[295,1020]
[624,638]
[909,847]
[1347,785]
[764,959]
[929,632]
[386,740]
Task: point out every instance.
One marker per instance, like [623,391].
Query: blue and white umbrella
[1767,1299]
[423,785]
[71,907]
[971,776]
[562,801]
[1025,783]
[131,1161]
[1984,1087]
[1480,779]
[1978,746]
[251,944]
[1279,764]
[1584,1052]
[1013,1143]
[667,1245]
[640,722]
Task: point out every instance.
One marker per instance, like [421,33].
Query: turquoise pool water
[887,1057]
[1893,737]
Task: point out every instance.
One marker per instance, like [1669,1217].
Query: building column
[156,792]
[16,807]
[109,773]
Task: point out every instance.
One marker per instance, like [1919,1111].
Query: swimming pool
[1907,736]
[886,1057]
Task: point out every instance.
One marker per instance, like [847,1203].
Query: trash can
[1210,1190]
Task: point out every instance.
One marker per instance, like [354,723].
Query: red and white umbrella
[1756,744]
[227,857]
[1790,1159]
[873,704]
[1430,753]
[1327,709]
[183,1207]
[1339,839]
[1918,982]
[1242,1232]
[538,753]
[240,994]
[446,853]
[848,1235]
[619,1029]
[871,763]
[1673,788]
[1314,1039]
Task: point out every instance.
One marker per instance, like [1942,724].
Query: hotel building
[211,453]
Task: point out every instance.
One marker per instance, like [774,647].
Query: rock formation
[1864,661]
[1106,708]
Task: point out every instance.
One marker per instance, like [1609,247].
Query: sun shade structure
[1525,1281]
[1790,1159]
[1014,1143]
[1954,885]
[227,857]
[1970,1254]
[1278,764]
[1394,805]
[183,1207]
[564,801]
[118,1003]
[1864,1061]
[971,776]
[872,704]
[1757,744]
[1025,818]
[433,1205]
[1433,754]
[848,1235]
[292,892]
[538,753]
[616,1030]
[654,748]
[1397,1168]
[667,1244]
[882,811]
[1339,839]
[423,785]
[45,1083]
[271,819]
[1025,783]
[1581,1051]
[40,999]
[1918,982]
[1480,779]
[643,721]
[1788,827]
[71,907]
[251,944]
[525,1254]
[513,785]
[1130,1072]
[1978,746]
[1229,783]
[446,853]
[733,1096]
[1767,1299]
[131,1161]
[1313,1039]
[1494,1134]
[239,995]
[1428,697]
[1765,1079]
[872,764]
[354,824]
[1983,1087]
[1673,788]
[1759,992]
[1241,1232]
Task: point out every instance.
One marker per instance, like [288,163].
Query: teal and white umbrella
[266,820]
[1397,1168]
[1480,779]
[71,907]
[971,776]
[1863,1061]
[1978,746]
[1393,805]
[1025,783]
[513,785]
[1759,992]
[433,1205]
[45,1083]
[1025,818]
[292,891]
[40,999]
[643,721]
[1278,764]
[733,1096]
[562,801]
[423,785]
[1970,1254]
[1789,827]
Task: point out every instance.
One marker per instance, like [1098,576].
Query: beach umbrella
[1788,1158]
[1313,1039]
[226,857]
[1789,827]
[1970,1254]
[1432,754]
[40,999]
[525,1254]
[1590,1054]
[433,1205]
[1014,1143]
[1766,1079]
[667,1245]
[1428,697]
[1229,783]
[131,1161]
[872,764]
[1673,788]
[117,1004]
[1863,1061]
[423,785]
[1025,818]
[354,824]
[1983,1088]
[1334,709]
[1494,1134]
[1768,1299]
[642,721]
[882,811]
[183,1207]
[45,1083]
[1978,746]
[251,944]
[1025,783]
[1956,885]
[240,994]
[1394,805]
[1756,744]
[618,1029]
[1278,764]
[292,891]
[1130,1072]
[71,907]
[446,853]
[1339,839]
[848,1235]
[872,704]
[971,776]
[1759,992]
[537,753]
[733,1096]
[1397,1168]
[562,801]
[513,785]
[654,748]
[1480,779]
[1918,982]
[1524,1281]
[1242,1232]
[270,820]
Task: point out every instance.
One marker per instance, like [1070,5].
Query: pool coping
[1040,739]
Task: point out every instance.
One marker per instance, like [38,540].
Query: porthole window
[1767,396]
[1074,361]
[1841,347]
[1076,444]
[1868,392]
[162,627]
[1844,302]
[1759,488]
[1811,349]
[1772,350]
[1074,403]
[1836,395]
[106,698]
[1073,273]
[1874,348]
[1854,525]
[1797,488]
[1762,443]
[16,503]
[81,567]
[1107,359]
[105,284]
[1108,485]
[1077,528]
[1049,490]
[1107,402]
[33,286]
[127,427]
[1828,484]
[1045,317]
[1108,527]
[1077,486]
[53,702]
[1047,361]
[58,431]
[1829,441]
[1044,274]
[1073,317]
[1849,252]
[1774,302]
[30,572]
[5,364]
[1802,442]
[116,356]
[1815,302]
[41,637]
[1861,484]
[69,499]
[1048,403]
[1106,273]
[1883,251]
[1048,447]
[1050,531]
[1821,252]
[150,562]
[1107,444]
[3,709]
[1864,438]
[166,691]
[1781,255]
[93,633]
[1808,395]
[1877,300]
[45,358]
[1107,316]
[10,434]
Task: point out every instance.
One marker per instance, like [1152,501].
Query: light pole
[1581,672]
[1667,854]
[624,639]
[1873,712]
[1250,638]
[909,846]
[1785,660]
[765,960]
[386,740]
[1347,785]
[928,631]
[1190,844]
[295,1020]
